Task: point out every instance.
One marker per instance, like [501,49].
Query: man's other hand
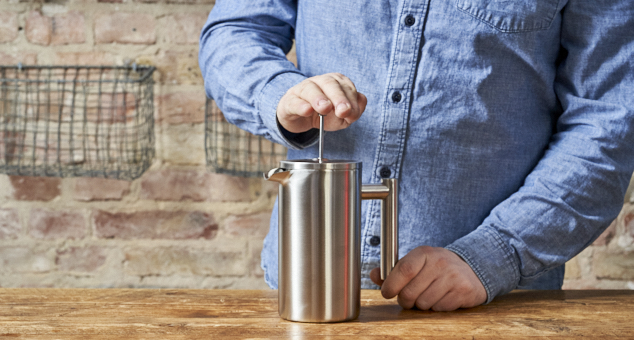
[332,95]
[432,278]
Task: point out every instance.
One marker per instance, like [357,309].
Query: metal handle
[388,194]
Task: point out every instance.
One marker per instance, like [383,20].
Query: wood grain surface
[243,314]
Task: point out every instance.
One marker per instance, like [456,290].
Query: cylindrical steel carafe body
[319,242]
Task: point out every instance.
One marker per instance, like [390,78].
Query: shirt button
[375,241]
[385,172]
[410,20]
[396,97]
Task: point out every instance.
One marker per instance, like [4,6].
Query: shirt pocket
[512,16]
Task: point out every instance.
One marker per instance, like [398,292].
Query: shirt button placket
[395,114]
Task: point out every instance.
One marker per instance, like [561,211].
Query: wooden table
[213,314]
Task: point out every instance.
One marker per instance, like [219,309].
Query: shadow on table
[561,295]
[516,301]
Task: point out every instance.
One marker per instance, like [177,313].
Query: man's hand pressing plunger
[432,278]
[332,95]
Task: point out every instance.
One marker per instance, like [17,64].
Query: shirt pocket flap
[512,16]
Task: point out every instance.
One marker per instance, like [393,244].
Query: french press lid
[325,164]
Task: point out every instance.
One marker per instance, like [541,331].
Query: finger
[405,270]
[332,123]
[375,276]
[313,94]
[409,294]
[294,114]
[434,293]
[334,91]
[298,106]
[350,91]
[451,301]
[362,102]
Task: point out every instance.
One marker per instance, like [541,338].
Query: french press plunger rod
[321,139]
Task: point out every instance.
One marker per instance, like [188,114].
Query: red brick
[26,58]
[39,28]
[68,28]
[100,189]
[155,225]
[125,28]
[84,58]
[9,224]
[182,107]
[606,236]
[183,28]
[256,225]
[81,259]
[177,185]
[9,26]
[46,224]
[172,260]
[27,188]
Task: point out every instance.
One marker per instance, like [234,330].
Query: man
[508,124]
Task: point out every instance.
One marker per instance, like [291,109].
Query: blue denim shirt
[511,135]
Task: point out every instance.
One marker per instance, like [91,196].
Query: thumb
[375,276]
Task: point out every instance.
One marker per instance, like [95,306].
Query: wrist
[268,101]
[301,139]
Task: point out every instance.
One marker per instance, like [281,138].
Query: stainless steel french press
[319,237]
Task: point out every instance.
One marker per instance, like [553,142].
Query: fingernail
[323,103]
[342,107]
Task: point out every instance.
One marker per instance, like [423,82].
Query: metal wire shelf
[230,150]
[67,121]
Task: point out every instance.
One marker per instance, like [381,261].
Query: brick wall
[176,226]
[609,262]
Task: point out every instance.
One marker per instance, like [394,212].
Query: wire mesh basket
[230,150]
[66,121]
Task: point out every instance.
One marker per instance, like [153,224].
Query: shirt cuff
[267,108]
[492,260]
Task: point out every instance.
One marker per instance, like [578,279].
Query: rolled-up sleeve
[577,188]
[242,57]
